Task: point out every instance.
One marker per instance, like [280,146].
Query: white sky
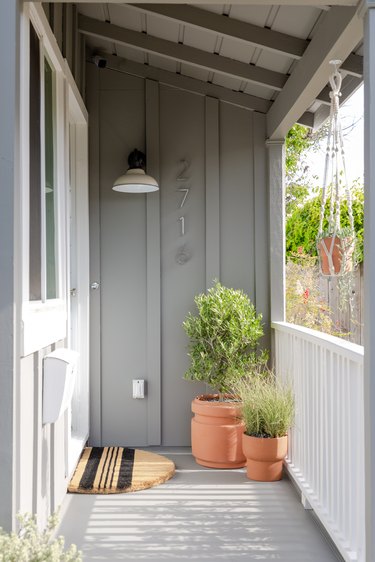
[350,112]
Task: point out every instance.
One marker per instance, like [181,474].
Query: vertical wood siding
[208,147]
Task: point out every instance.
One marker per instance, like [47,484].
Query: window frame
[44,321]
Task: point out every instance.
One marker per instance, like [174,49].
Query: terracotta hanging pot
[216,432]
[265,457]
[340,251]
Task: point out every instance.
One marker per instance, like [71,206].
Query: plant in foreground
[224,338]
[267,406]
[32,545]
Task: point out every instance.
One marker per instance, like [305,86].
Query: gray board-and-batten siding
[137,244]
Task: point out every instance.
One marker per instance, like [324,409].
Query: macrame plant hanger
[335,246]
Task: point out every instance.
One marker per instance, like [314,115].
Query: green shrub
[32,545]
[224,338]
[267,406]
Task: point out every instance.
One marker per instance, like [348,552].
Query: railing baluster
[326,445]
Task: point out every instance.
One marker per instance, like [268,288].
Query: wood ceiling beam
[183,53]
[235,29]
[242,31]
[245,32]
[339,32]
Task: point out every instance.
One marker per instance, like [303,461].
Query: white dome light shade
[135,180]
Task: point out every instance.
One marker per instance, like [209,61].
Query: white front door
[78,284]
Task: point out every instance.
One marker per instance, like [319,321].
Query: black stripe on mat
[118,450]
[110,468]
[88,477]
[126,469]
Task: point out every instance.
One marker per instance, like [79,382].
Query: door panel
[123,268]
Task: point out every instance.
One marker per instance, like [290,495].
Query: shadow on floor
[200,515]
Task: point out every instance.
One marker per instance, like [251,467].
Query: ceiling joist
[337,35]
[228,27]
[183,53]
[245,32]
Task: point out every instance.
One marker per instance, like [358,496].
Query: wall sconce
[135,180]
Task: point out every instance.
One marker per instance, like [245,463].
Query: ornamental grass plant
[32,545]
[267,405]
[224,338]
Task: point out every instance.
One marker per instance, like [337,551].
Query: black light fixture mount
[135,180]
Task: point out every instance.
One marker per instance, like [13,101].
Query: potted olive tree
[268,413]
[224,338]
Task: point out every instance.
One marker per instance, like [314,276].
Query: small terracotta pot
[264,457]
[343,248]
[216,433]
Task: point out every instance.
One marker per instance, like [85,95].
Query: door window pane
[35,268]
[49,88]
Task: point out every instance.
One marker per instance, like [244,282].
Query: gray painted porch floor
[200,515]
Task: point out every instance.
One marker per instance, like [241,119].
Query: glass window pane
[49,88]
[35,267]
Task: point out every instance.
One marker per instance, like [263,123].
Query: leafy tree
[299,141]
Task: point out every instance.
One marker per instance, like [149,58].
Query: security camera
[100,62]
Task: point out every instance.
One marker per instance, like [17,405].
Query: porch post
[9,90]
[276,190]
[369,276]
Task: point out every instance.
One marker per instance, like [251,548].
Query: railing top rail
[351,350]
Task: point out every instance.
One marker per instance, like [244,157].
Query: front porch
[200,514]
[224,120]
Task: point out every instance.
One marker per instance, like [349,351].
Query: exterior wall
[226,226]
[33,456]
[42,448]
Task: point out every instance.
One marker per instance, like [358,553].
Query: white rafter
[184,53]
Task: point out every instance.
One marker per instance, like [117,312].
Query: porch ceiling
[270,58]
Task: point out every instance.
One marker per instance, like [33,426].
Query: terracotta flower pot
[343,249]
[264,457]
[216,433]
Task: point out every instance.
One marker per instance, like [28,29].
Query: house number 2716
[182,178]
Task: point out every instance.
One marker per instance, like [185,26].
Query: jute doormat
[117,470]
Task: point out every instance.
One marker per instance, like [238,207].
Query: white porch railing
[326,445]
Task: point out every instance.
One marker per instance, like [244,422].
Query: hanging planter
[335,245]
[336,254]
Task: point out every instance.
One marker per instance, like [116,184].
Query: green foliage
[223,338]
[267,406]
[297,141]
[295,196]
[303,224]
[32,545]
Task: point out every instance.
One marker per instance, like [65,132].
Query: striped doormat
[117,470]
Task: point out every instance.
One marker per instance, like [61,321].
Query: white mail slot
[59,375]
